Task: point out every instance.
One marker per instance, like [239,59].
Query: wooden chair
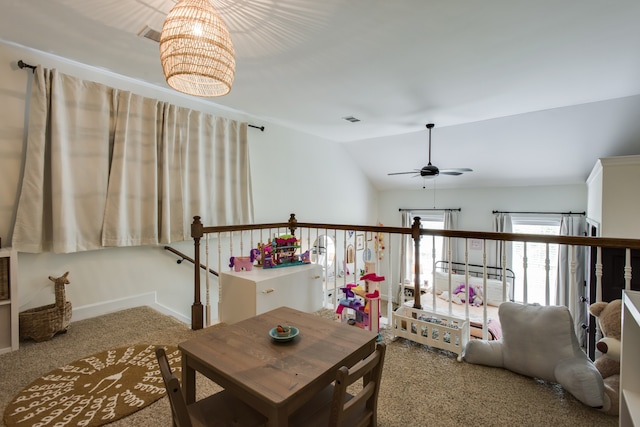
[221,409]
[335,407]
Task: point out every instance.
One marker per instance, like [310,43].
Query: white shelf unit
[248,293]
[8,300]
[629,374]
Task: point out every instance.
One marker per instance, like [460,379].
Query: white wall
[311,177]
[477,204]
[292,173]
[620,201]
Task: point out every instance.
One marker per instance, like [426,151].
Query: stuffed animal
[540,342]
[461,290]
[609,315]
[477,299]
[459,294]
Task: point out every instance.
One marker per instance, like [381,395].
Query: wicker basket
[42,323]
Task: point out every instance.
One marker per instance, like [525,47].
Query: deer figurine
[42,323]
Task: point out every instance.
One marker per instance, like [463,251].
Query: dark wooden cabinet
[613,282]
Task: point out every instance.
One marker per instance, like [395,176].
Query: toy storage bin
[432,329]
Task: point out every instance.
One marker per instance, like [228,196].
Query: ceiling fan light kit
[196,50]
[430,170]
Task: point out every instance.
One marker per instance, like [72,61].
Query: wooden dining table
[271,376]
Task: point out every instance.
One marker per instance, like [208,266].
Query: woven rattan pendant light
[196,51]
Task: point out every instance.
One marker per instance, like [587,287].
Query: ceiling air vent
[351,119]
[150,33]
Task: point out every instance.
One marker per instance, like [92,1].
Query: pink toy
[372,277]
[245,263]
[364,304]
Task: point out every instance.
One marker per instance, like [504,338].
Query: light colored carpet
[420,386]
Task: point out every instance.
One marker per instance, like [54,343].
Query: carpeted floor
[420,386]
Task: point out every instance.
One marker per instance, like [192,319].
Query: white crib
[432,329]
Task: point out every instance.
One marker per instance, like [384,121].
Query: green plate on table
[293,332]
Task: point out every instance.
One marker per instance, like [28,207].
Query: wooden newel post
[293,224]
[415,234]
[197,310]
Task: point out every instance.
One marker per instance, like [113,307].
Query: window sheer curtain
[106,167]
[405,247]
[450,245]
[571,274]
[501,224]
[449,218]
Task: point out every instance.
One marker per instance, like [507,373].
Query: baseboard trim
[106,307]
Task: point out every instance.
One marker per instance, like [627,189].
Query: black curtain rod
[542,213]
[24,65]
[429,209]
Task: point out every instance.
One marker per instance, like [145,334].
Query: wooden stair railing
[197,309]
[415,231]
[184,257]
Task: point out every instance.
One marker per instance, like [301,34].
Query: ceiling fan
[432,170]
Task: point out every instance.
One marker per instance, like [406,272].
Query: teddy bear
[609,316]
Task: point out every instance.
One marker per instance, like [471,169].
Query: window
[536,259]
[428,244]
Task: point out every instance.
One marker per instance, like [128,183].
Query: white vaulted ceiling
[523,92]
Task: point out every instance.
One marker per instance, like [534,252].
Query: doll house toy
[361,306]
[282,252]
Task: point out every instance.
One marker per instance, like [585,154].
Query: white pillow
[494,287]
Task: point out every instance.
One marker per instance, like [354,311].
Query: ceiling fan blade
[459,169]
[404,173]
[455,171]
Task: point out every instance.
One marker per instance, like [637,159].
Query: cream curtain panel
[495,249]
[106,167]
[571,274]
[450,244]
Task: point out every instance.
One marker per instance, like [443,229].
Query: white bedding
[493,295]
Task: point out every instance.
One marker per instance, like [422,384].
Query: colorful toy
[256,254]
[379,244]
[352,301]
[281,252]
[460,295]
[239,263]
[361,306]
[477,299]
[267,258]
[305,257]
